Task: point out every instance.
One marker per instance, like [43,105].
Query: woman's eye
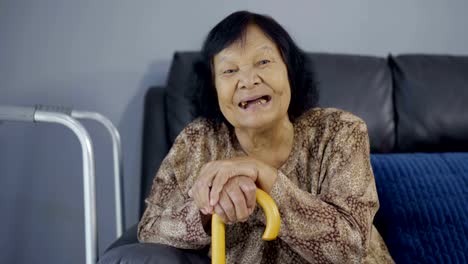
[263,62]
[229,71]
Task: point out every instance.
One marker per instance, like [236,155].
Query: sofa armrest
[155,140]
[128,237]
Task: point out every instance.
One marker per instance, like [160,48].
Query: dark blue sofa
[416,109]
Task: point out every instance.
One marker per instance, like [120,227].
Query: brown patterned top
[325,192]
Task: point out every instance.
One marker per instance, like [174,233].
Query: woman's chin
[255,122]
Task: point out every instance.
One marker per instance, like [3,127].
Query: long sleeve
[171,217]
[334,224]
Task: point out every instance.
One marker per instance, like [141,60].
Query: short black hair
[304,94]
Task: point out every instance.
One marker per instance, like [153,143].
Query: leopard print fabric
[325,192]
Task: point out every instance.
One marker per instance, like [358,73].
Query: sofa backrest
[411,103]
[359,84]
[431,102]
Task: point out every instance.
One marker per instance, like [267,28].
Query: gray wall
[102,55]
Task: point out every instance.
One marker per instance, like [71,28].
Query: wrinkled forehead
[253,42]
[244,52]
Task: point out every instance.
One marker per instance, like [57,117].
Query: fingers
[218,184]
[249,189]
[201,196]
[232,205]
[238,200]
[200,192]
[227,172]
[220,212]
[225,209]
[215,175]
[228,207]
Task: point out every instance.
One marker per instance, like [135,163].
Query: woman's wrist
[267,178]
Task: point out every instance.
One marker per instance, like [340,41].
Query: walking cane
[218,246]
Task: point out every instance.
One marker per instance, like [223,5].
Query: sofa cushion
[431,99]
[359,84]
[423,215]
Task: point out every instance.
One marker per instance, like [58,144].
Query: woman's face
[252,82]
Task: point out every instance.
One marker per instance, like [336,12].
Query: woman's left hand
[266,176]
[237,200]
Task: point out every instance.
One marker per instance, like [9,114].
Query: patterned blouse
[325,192]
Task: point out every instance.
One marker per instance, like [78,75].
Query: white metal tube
[88,177]
[118,164]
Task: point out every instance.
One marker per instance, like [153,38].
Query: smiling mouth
[258,101]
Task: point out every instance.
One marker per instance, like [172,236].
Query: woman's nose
[249,78]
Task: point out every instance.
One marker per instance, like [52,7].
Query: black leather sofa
[416,109]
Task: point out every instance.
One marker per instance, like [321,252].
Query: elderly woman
[257,130]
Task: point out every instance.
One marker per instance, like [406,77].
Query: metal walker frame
[68,118]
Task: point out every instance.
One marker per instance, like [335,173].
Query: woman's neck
[271,145]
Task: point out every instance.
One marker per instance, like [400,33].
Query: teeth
[259,102]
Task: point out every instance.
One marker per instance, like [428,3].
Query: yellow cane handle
[218,245]
[271,214]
